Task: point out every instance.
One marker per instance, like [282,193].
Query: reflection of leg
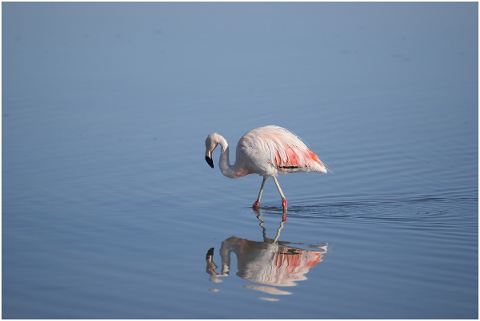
[279,229]
[284,200]
[257,203]
[264,230]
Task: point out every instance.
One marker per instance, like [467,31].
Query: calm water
[110,211]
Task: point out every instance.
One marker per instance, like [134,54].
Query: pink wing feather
[280,148]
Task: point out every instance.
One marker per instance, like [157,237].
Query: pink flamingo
[267,151]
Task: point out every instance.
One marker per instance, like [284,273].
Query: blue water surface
[110,211]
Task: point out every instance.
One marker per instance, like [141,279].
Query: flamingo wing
[276,146]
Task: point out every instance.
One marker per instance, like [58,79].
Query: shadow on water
[268,264]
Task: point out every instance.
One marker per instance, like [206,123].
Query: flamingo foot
[256,204]
[284,202]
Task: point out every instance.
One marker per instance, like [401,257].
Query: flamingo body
[268,151]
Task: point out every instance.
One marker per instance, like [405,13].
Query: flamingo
[268,151]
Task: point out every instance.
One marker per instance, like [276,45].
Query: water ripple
[415,211]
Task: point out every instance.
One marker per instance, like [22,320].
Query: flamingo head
[210,143]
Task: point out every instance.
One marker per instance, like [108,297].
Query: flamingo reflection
[268,264]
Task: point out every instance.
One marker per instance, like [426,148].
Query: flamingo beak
[209,161]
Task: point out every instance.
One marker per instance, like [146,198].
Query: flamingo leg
[284,200]
[257,203]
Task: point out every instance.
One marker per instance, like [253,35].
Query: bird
[268,151]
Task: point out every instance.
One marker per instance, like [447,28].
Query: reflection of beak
[210,253]
[209,161]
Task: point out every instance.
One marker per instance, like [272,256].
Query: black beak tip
[209,161]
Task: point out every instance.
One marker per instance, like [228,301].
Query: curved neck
[227,169]
[232,171]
